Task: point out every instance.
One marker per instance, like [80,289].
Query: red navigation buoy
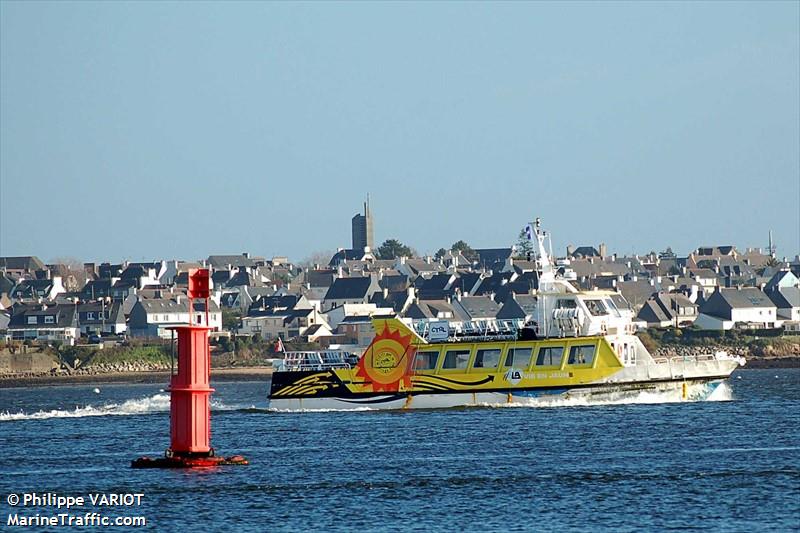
[190,393]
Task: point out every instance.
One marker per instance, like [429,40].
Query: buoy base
[188,461]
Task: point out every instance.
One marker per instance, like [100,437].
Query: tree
[440,253]
[74,276]
[392,249]
[230,319]
[465,249]
[524,245]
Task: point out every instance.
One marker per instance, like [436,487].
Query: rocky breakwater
[106,372]
[784,353]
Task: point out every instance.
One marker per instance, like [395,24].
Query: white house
[338,314]
[737,307]
[45,323]
[152,317]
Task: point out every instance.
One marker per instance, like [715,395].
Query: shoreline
[256,373]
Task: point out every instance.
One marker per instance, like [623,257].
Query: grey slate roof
[394,299]
[585,251]
[492,256]
[349,288]
[431,308]
[745,298]
[236,260]
[521,306]
[652,312]
[28,262]
[32,288]
[394,282]
[320,278]
[786,297]
[64,316]
[777,278]
[478,307]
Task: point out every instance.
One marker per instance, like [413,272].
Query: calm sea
[730,465]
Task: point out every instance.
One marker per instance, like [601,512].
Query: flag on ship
[279,345]
[529,232]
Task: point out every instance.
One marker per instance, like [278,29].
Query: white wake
[695,393]
[137,406]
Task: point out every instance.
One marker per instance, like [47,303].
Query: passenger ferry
[580,345]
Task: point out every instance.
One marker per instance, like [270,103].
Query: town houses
[713,287]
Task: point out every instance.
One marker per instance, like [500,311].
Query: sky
[147,130]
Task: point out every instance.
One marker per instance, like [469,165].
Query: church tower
[363,235]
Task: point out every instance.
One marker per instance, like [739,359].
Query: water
[721,465]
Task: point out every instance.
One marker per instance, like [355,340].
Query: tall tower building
[362,229]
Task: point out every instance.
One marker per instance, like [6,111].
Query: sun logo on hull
[386,363]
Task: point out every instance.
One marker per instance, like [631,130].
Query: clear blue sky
[151,129]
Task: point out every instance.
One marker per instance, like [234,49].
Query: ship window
[518,357]
[581,355]
[456,359]
[487,358]
[425,360]
[596,307]
[550,356]
[613,308]
[566,304]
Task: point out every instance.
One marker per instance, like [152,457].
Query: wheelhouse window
[550,356]
[581,355]
[487,358]
[33,320]
[610,305]
[566,304]
[456,359]
[596,307]
[425,360]
[518,357]
[49,319]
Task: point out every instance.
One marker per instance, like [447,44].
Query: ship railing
[486,329]
[315,360]
[678,359]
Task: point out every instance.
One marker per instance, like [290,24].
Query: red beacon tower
[190,392]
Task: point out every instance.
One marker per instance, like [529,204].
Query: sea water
[636,464]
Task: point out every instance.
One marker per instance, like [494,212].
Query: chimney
[602,250]
[246,255]
[570,250]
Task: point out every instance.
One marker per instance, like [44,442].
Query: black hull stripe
[455,381]
[357,397]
